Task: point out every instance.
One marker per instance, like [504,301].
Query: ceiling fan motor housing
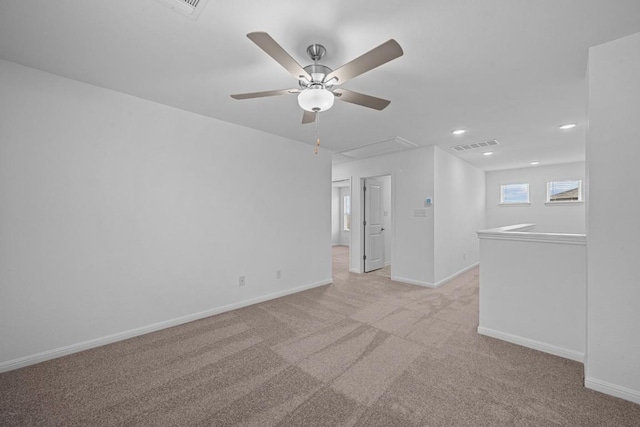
[318,72]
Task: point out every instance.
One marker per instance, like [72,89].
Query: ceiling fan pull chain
[315,151]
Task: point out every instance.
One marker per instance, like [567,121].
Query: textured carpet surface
[364,351]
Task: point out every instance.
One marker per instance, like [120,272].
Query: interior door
[373,230]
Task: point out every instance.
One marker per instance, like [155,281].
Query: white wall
[613,210]
[120,215]
[459,206]
[533,291]
[562,218]
[412,237]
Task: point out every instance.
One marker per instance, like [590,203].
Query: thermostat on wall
[427,202]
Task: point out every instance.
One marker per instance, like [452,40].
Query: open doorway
[341,225]
[376,225]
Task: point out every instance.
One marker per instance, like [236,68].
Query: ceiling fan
[318,84]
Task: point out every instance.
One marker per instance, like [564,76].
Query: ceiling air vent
[189,8]
[475,145]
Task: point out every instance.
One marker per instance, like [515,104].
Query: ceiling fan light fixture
[315,99]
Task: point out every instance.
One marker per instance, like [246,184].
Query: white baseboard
[413,282]
[454,275]
[97,342]
[536,345]
[436,284]
[612,389]
[355,270]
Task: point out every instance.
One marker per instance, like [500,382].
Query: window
[513,194]
[346,208]
[564,191]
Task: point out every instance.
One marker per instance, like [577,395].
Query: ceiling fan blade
[274,50]
[265,93]
[308,117]
[382,54]
[361,99]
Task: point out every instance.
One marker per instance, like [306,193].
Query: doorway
[341,221]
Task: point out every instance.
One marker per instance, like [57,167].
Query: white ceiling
[511,70]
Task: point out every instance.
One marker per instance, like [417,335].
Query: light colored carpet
[364,351]
[384,271]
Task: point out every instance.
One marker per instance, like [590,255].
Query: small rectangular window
[564,191]
[511,194]
[346,208]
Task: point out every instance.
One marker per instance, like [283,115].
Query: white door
[373,230]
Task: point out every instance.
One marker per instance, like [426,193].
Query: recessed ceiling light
[567,126]
[458,131]
[534,163]
[487,153]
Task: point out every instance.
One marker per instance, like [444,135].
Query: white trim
[517,227]
[519,233]
[564,203]
[454,275]
[355,270]
[97,342]
[536,345]
[515,204]
[413,282]
[436,284]
[612,389]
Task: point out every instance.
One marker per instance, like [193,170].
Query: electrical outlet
[241,281]
[278,274]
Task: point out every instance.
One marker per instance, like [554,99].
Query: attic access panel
[378,148]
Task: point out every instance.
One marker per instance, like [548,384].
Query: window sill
[563,203]
[514,204]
